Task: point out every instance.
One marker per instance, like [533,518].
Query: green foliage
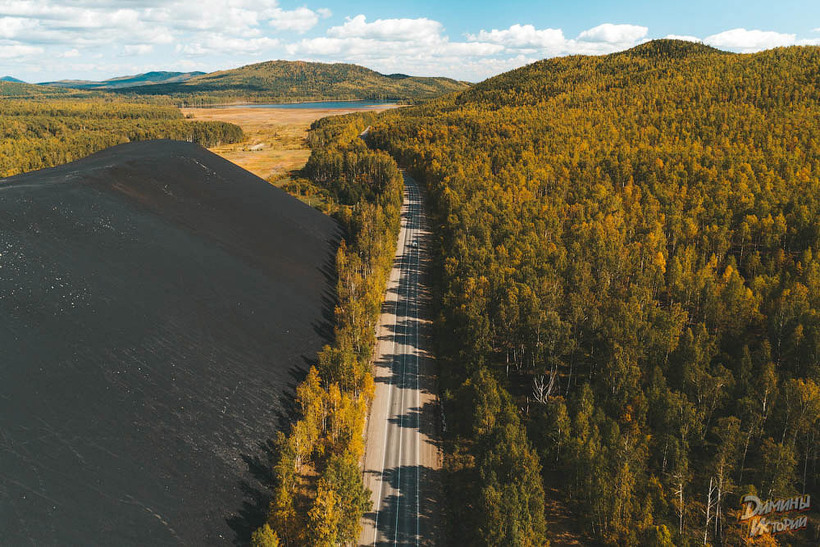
[20,90]
[659,536]
[39,134]
[641,230]
[333,400]
[511,491]
[344,477]
[501,500]
[324,518]
[264,537]
[293,81]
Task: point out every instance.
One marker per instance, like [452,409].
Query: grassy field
[275,137]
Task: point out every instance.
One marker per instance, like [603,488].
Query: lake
[329,105]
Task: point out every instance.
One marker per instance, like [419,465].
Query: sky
[47,40]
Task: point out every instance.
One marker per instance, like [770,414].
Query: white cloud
[12,27]
[220,44]
[15,51]
[469,49]
[685,38]
[614,34]
[99,23]
[167,33]
[209,34]
[391,30]
[748,41]
[300,20]
[472,69]
[605,38]
[417,46]
[523,37]
[137,49]
[317,46]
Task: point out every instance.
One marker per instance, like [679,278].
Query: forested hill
[629,289]
[659,61]
[147,78]
[288,81]
[21,90]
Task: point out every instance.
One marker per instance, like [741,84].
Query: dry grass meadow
[275,137]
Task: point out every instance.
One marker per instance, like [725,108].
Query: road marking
[403,379]
[418,396]
[408,290]
[390,392]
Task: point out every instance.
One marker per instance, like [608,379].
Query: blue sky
[42,40]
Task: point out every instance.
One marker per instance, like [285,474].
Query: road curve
[402,456]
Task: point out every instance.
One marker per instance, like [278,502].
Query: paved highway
[402,455]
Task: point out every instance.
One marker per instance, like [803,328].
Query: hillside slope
[156,304]
[629,266]
[289,81]
[20,90]
[147,78]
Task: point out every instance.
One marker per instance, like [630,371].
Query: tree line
[319,496]
[628,287]
[45,133]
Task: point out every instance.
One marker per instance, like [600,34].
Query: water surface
[329,105]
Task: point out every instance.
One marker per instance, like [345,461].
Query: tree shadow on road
[402,530]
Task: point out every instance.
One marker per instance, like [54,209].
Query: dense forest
[628,290]
[294,81]
[318,492]
[35,134]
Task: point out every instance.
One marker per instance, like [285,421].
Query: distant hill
[19,90]
[289,81]
[579,76]
[148,78]
[11,79]
[157,302]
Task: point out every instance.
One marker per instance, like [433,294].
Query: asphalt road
[402,456]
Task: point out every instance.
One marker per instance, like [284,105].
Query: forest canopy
[294,81]
[35,134]
[627,249]
[318,495]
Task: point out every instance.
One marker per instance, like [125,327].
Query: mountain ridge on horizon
[153,77]
[294,81]
[277,81]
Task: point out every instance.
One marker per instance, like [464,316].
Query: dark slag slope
[156,301]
